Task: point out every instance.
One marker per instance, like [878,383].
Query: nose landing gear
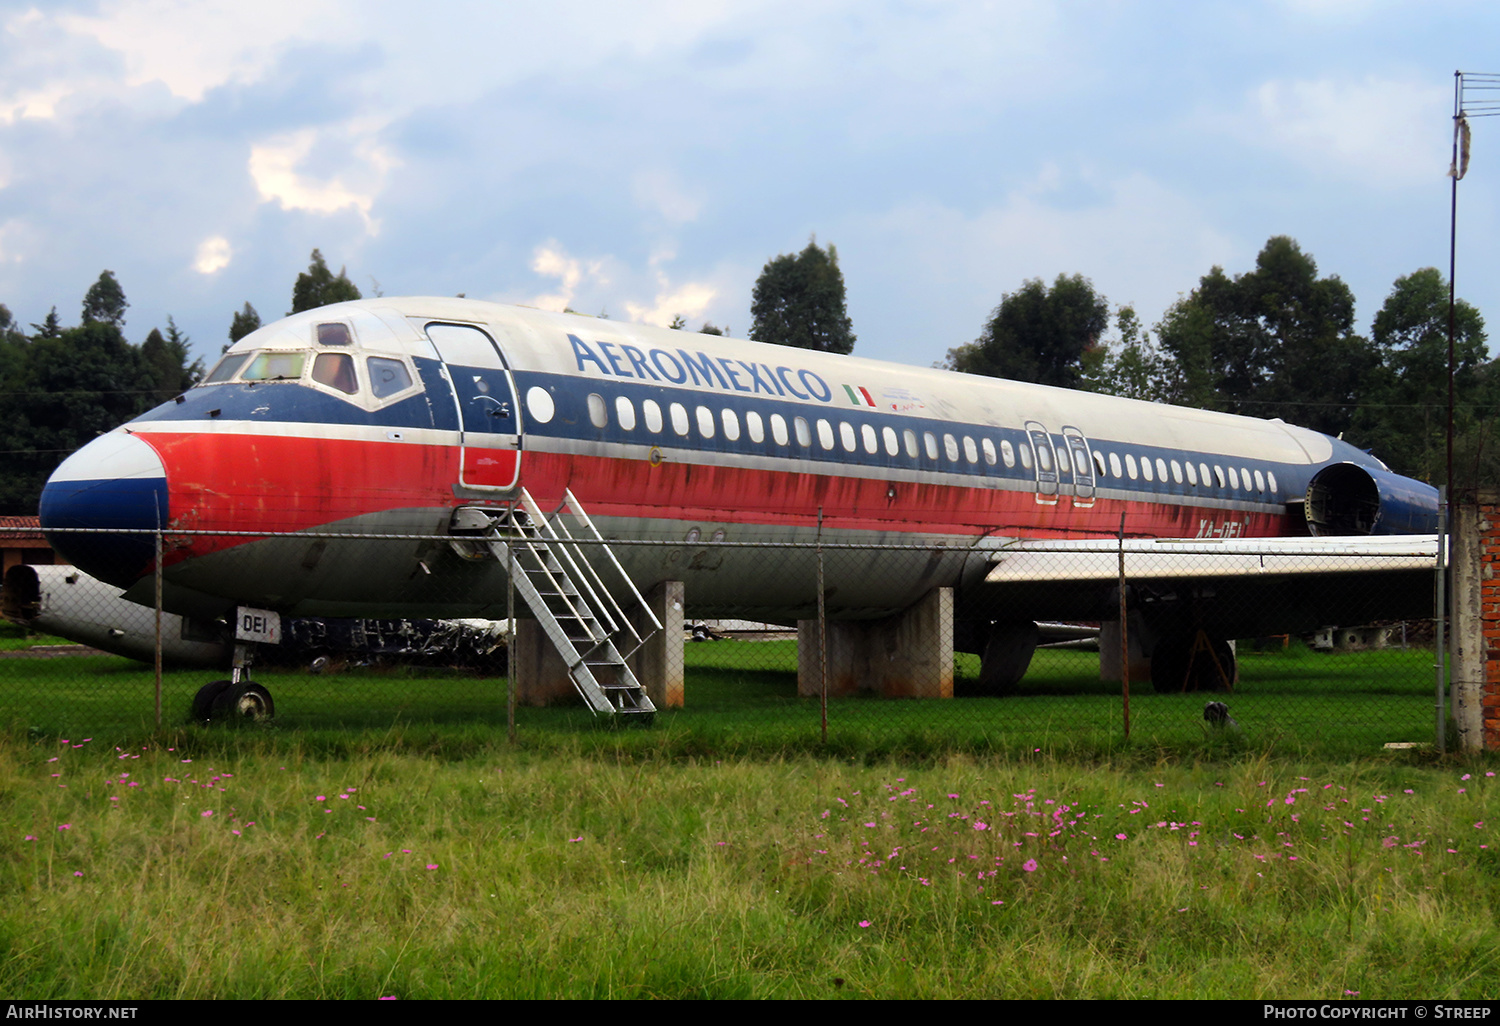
[238,700]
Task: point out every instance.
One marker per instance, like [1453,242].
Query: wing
[1239,587]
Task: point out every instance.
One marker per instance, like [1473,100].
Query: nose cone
[116,483]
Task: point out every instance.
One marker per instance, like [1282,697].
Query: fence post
[510,641]
[1441,641]
[822,633]
[1124,633]
[158,626]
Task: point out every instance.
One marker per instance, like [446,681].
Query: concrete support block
[909,655]
[539,675]
[1109,650]
[1466,633]
[658,663]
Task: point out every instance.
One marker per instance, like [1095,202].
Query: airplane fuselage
[382,416]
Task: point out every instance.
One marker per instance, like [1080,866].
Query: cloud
[191,46]
[276,167]
[1384,132]
[1138,241]
[662,192]
[550,260]
[687,301]
[598,280]
[214,254]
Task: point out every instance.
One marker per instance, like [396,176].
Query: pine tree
[318,286]
[799,301]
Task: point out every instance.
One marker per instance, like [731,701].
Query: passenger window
[1192,476]
[1203,474]
[226,368]
[1177,472]
[540,405]
[387,377]
[892,443]
[1130,465]
[1080,463]
[679,416]
[846,435]
[1146,470]
[1271,480]
[625,413]
[1007,452]
[804,434]
[1044,457]
[825,434]
[929,443]
[1025,456]
[705,422]
[950,448]
[872,443]
[971,451]
[755,426]
[731,425]
[1234,479]
[909,437]
[1114,465]
[598,412]
[1099,470]
[1219,475]
[334,334]
[989,451]
[336,370]
[652,413]
[1260,482]
[275,367]
[1161,470]
[778,429]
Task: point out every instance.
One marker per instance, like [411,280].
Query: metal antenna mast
[1475,95]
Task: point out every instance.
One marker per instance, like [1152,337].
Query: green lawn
[741,696]
[383,837]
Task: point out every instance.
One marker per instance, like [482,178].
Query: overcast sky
[646,158]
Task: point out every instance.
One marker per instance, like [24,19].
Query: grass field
[742,697]
[383,838]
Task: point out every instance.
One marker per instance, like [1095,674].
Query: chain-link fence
[989,643]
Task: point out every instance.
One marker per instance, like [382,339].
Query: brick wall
[1475,633]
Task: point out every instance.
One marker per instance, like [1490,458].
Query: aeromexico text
[622,360]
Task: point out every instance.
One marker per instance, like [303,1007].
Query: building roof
[20,529]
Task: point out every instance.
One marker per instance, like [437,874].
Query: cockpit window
[275,366]
[226,368]
[336,370]
[387,377]
[334,333]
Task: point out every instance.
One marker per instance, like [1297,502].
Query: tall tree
[81,383]
[166,360]
[1404,417]
[246,321]
[799,301]
[318,286]
[1038,334]
[105,302]
[63,386]
[51,326]
[1277,341]
[1130,366]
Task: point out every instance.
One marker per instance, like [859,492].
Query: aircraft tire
[245,702]
[1007,656]
[203,701]
[1170,671]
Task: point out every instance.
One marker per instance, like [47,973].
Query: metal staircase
[555,573]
